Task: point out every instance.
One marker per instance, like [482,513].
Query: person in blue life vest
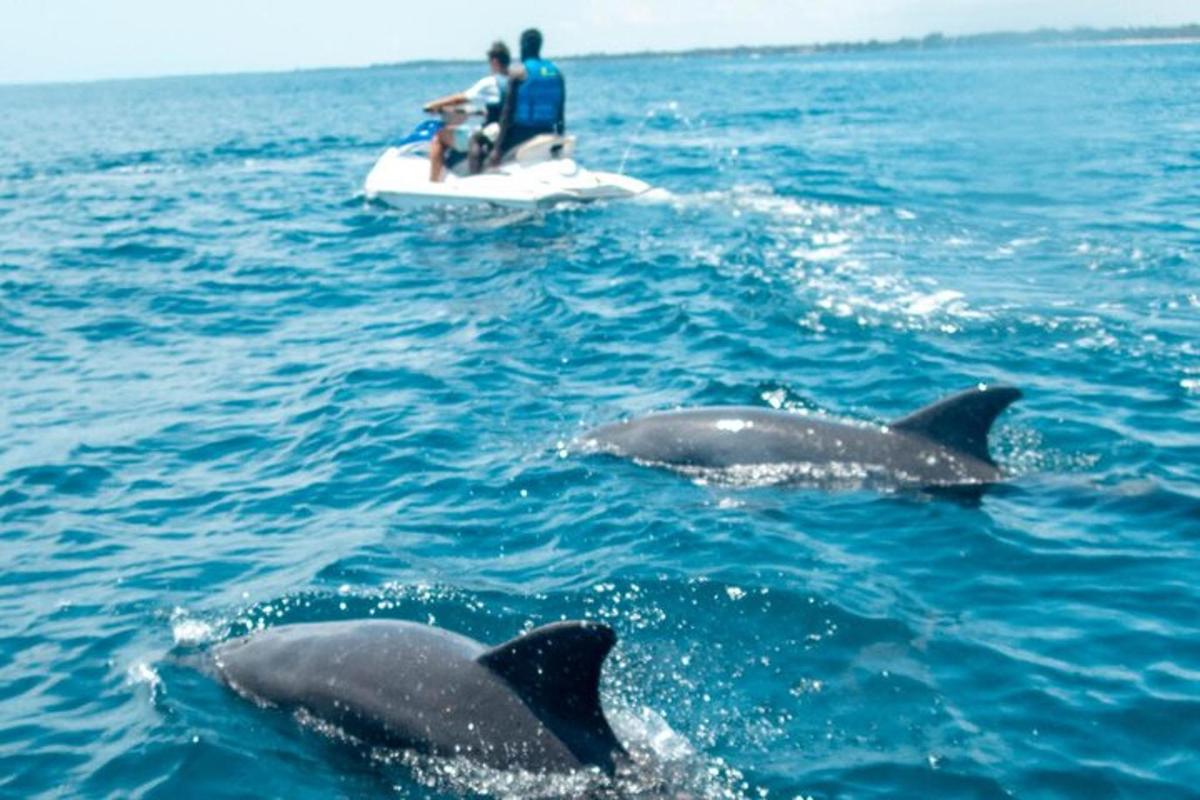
[537,98]
[475,113]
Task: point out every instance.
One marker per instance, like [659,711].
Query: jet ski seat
[543,147]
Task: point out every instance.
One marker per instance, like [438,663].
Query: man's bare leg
[437,153]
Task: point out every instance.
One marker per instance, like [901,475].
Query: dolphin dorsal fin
[556,666]
[556,670]
[961,421]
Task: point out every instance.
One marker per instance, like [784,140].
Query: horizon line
[1182,33]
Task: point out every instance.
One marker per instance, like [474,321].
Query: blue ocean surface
[235,394]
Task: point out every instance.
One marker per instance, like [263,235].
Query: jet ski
[538,173]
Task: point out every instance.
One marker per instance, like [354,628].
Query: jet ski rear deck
[538,174]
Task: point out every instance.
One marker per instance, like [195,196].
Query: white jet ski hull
[401,179]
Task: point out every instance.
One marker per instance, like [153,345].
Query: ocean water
[236,394]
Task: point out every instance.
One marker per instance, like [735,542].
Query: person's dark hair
[499,51]
[531,44]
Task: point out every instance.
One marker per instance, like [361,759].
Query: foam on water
[143,674]
[187,631]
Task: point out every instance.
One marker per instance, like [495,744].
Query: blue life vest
[540,97]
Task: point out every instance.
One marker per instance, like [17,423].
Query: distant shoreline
[1181,34]
[1131,36]
[1127,36]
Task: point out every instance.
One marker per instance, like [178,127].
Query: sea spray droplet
[188,631]
[141,673]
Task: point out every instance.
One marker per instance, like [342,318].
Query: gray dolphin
[531,703]
[941,445]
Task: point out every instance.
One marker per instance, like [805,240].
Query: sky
[70,40]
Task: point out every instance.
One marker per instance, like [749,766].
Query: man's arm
[448,101]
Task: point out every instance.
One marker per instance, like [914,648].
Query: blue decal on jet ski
[424,132]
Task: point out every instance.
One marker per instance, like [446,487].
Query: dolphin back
[531,703]
[943,444]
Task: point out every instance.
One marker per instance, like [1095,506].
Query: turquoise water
[236,394]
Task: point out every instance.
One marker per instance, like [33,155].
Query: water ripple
[237,395]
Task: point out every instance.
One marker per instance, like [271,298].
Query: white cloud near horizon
[62,40]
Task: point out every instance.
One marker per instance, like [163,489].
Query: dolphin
[531,703]
[942,445]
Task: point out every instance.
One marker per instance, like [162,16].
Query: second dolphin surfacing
[942,445]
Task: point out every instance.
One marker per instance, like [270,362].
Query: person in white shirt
[477,109]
